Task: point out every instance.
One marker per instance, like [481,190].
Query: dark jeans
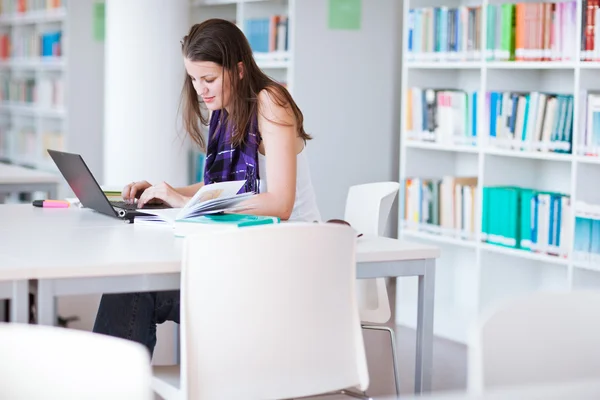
[134,316]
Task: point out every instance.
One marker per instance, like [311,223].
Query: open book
[210,199]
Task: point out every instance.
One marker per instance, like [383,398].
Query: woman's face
[210,82]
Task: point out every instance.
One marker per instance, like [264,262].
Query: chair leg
[394,354]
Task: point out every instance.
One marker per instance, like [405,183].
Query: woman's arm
[190,191]
[277,127]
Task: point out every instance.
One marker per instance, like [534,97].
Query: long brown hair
[222,42]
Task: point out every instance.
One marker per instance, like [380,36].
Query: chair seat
[166,381]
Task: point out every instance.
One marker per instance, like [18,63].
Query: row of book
[531,31]
[47,92]
[34,44]
[267,34]
[444,33]
[533,121]
[526,219]
[442,116]
[512,216]
[522,31]
[444,206]
[22,6]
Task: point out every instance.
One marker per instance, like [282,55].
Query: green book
[214,222]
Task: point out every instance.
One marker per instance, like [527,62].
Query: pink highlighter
[51,203]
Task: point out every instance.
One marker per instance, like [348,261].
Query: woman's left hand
[165,193]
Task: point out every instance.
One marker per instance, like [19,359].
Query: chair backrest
[368,206]
[546,337]
[46,362]
[367,210]
[269,312]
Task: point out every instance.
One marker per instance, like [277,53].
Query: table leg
[19,302]
[46,303]
[424,358]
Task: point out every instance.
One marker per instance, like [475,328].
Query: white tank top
[305,205]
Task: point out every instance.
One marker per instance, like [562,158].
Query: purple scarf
[227,163]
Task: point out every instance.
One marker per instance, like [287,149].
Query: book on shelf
[526,219]
[444,33]
[589,137]
[590,36]
[533,121]
[267,35]
[586,243]
[444,206]
[209,199]
[441,115]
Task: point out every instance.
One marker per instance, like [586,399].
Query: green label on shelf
[99,21]
[344,14]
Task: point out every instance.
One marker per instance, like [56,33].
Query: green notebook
[202,223]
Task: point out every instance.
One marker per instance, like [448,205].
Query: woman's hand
[134,190]
[165,193]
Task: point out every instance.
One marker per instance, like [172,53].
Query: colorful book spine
[534,121]
[442,116]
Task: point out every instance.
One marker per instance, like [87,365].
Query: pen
[51,203]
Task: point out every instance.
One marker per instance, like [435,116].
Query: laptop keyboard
[133,206]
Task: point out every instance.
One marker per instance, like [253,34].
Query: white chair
[46,362]
[268,312]
[367,210]
[536,339]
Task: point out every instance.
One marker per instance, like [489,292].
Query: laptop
[79,177]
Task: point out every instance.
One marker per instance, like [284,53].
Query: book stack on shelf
[442,116]
[526,219]
[441,206]
[530,121]
[510,99]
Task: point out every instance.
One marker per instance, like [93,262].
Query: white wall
[348,87]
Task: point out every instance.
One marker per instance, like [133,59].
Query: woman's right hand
[134,190]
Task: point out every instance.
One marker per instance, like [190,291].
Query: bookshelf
[499,151]
[268,25]
[50,81]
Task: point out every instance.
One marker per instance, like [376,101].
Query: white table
[77,251]
[14,178]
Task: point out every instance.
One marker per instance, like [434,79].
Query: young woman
[256,134]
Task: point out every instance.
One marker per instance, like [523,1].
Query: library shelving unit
[50,81]
[499,153]
[268,25]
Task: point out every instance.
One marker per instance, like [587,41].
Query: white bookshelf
[277,64]
[473,276]
[67,113]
